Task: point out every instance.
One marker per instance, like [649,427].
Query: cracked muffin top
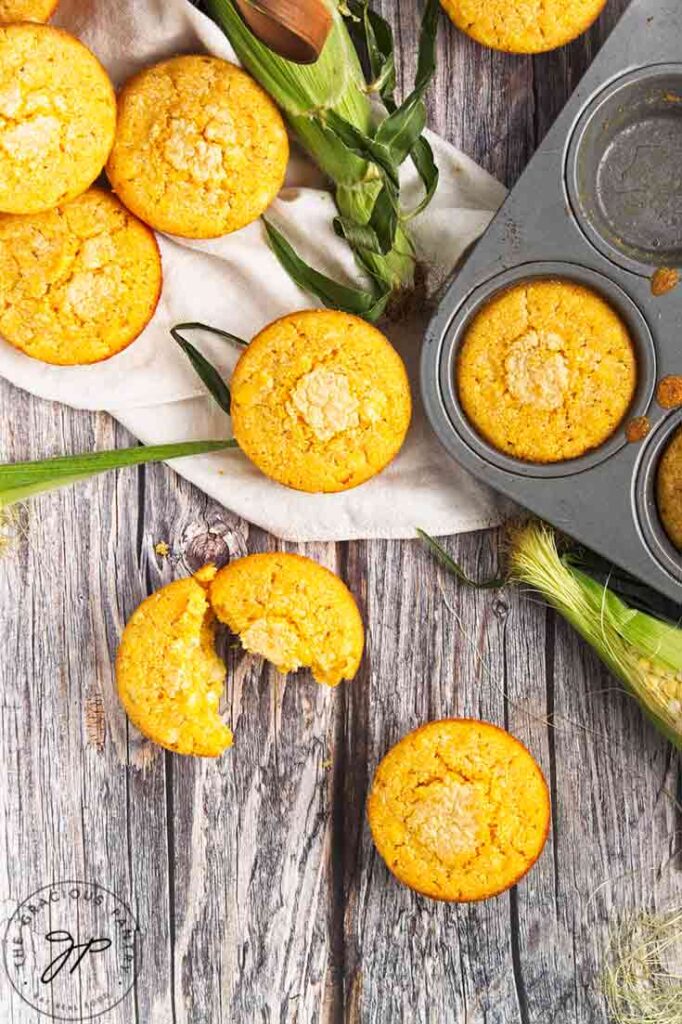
[293,612]
[459,810]
[546,371]
[200,149]
[320,401]
[78,283]
[57,117]
[523,26]
[26,10]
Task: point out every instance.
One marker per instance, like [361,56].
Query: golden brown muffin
[26,10]
[170,679]
[320,401]
[669,489]
[200,150]
[79,283]
[293,612]
[546,371]
[523,26]
[459,810]
[57,117]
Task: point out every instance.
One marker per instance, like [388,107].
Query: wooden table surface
[257,890]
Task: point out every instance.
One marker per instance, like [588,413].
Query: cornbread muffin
[293,612]
[200,149]
[669,489]
[546,371]
[26,10]
[320,401]
[459,810]
[523,26]
[57,117]
[77,283]
[170,679]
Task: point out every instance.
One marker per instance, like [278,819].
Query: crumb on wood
[162,549]
[326,764]
[664,280]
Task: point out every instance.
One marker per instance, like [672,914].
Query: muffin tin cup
[653,532]
[568,218]
[615,296]
[624,169]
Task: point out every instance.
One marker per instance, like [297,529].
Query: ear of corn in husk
[358,143]
[643,651]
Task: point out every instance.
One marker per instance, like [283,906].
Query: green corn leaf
[197,326]
[362,145]
[359,236]
[208,373]
[384,219]
[335,296]
[375,36]
[422,157]
[449,563]
[401,129]
[21,480]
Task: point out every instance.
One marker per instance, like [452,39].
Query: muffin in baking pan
[546,371]
[459,810]
[669,489]
[201,150]
[523,26]
[57,117]
[77,283]
[320,401]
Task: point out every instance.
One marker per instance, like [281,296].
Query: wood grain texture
[258,892]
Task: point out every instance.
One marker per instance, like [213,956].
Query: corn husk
[643,651]
[358,136]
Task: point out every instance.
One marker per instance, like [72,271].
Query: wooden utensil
[295,29]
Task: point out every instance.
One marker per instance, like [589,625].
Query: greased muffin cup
[320,401]
[57,117]
[546,370]
[459,810]
[26,10]
[78,283]
[200,151]
[293,612]
[170,679]
[518,26]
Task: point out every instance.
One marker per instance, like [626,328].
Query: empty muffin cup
[624,169]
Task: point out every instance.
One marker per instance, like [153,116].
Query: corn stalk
[359,144]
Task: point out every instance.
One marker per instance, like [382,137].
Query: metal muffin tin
[601,204]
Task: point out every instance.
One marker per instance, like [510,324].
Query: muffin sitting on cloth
[287,608]
[57,117]
[26,10]
[521,26]
[459,810]
[546,371]
[200,150]
[320,401]
[78,283]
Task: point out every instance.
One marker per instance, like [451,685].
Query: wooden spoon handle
[295,29]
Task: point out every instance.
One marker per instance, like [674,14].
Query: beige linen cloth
[236,283]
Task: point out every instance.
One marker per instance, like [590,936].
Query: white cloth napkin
[235,282]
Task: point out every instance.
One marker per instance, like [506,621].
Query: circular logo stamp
[71,950]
